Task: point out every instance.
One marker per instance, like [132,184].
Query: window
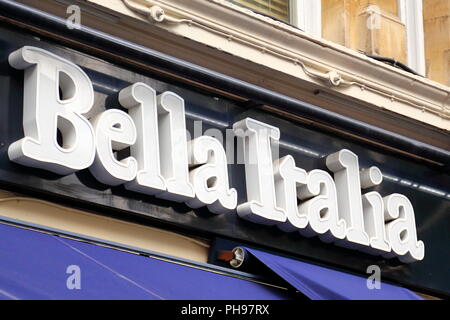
[400,33]
[387,28]
[279,9]
[305,14]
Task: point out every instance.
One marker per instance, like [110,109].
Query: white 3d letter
[401,232]
[161,148]
[140,100]
[345,166]
[114,130]
[173,147]
[322,209]
[287,178]
[373,208]
[210,180]
[45,111]
[261,205]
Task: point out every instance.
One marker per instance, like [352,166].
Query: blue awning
[320,283]
[34,265]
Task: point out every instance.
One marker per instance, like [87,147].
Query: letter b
[56,94]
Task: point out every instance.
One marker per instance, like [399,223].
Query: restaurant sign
[163,162]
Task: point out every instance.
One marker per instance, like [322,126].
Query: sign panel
[80,128]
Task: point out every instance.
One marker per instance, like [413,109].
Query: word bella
[154,129]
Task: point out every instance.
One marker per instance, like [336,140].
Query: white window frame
[307,15]
[411,14]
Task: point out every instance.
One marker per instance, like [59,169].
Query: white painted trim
[307,15]
[411,13]
[401,4]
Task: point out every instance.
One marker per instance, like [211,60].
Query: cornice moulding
[262,40]
[317,60]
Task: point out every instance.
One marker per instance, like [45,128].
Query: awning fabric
[320,283]
[33,265]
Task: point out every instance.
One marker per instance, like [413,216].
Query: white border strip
[411,13]
[307,15]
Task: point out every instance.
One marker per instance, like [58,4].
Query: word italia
[162,163]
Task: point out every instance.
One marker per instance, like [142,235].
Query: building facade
[145,126]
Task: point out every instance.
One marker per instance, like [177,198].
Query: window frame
[411,14]
[307,15]
[289,11]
